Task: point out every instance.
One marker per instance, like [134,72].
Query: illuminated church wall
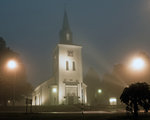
[69,70]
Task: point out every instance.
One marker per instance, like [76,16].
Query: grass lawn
[71,116]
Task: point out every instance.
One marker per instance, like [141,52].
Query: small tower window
[67,65]
[73,64]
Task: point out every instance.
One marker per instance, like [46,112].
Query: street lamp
[97,96]
[138,64]
[137,68]
[12,65]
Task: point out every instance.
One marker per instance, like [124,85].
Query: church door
[71,95]
[70,100]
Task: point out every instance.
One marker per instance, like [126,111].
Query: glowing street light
[12,64]
[99,91]
[138,64]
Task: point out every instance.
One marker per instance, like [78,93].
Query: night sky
[110,31]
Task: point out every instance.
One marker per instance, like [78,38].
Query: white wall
[69,74]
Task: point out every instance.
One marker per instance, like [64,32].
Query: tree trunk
[135,109]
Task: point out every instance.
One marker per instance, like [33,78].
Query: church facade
[66,85]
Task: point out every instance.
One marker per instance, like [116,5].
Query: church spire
[65,32]
[65,22]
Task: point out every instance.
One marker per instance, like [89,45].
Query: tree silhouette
[136,95]
[7,77]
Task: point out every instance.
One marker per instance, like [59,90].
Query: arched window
[67,65]
[35,100]
[73,64]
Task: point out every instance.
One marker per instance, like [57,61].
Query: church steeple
[65,32]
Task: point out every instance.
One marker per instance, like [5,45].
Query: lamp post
[138,64]
[138,67]
[99,92]
[12,65]
[54,91]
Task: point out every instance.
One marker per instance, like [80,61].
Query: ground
[71,116]
[69,113]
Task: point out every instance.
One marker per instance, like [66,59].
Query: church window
[70,53]
[73,64]
[67,65]
[67,36]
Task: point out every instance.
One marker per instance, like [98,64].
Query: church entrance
[71,100]
[71,94]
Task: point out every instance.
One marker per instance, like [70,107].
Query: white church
[66,84]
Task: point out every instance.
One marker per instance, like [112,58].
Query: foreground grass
[71,116]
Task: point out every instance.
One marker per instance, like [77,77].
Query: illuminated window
[67,65]
[70,53]
[73,64]
[113,101]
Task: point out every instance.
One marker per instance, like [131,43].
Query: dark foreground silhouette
[71,116]
[135,96]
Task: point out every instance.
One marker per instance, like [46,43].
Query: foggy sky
[109,31]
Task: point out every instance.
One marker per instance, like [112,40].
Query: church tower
[66,84]
[67,68]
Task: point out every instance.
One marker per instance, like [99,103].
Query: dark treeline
[13,83]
